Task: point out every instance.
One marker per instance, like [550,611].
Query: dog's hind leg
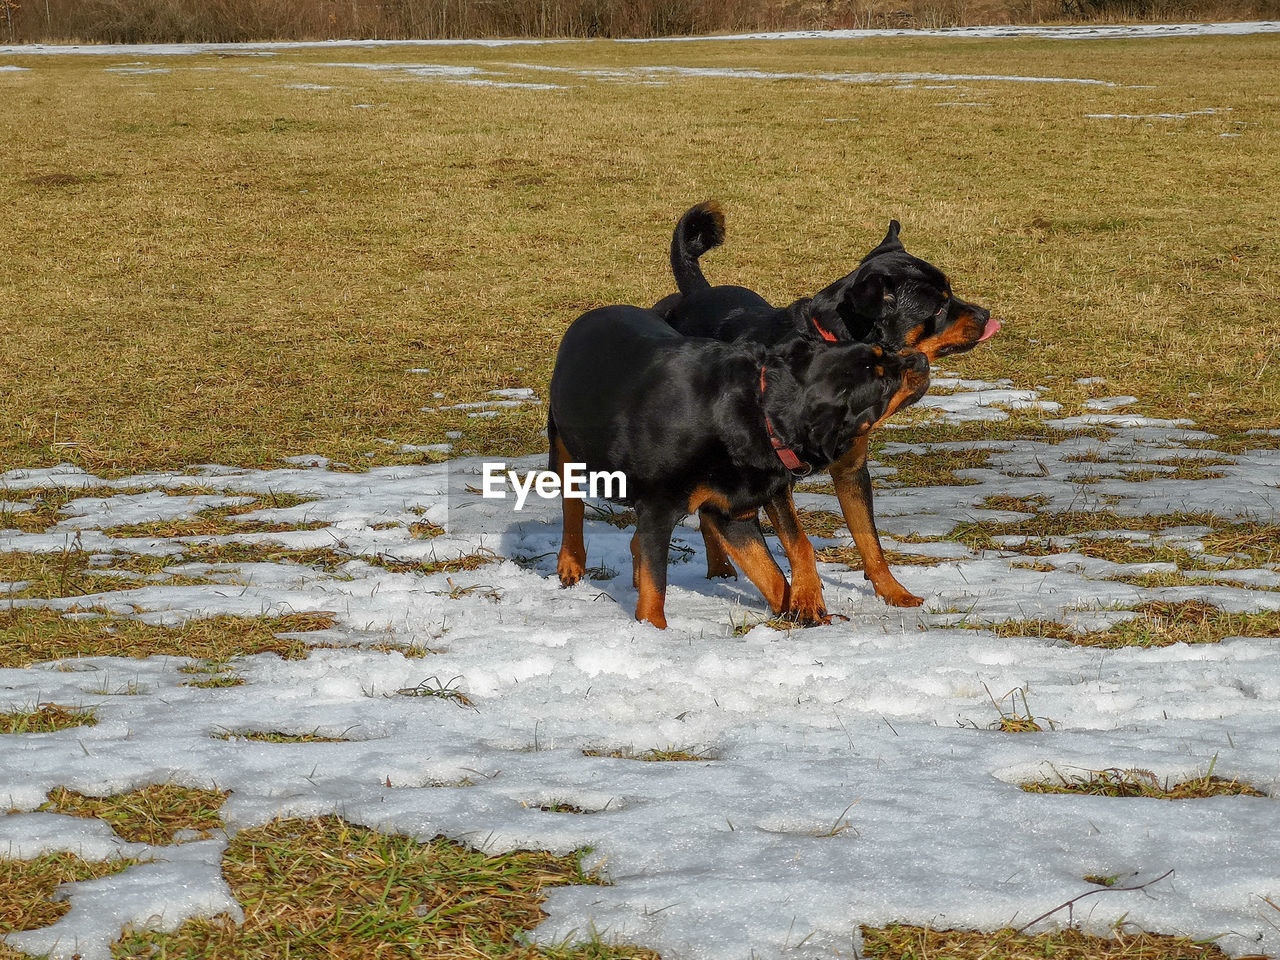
[635,559]
[572,561]
[718,563]
[853,488]
[744,542]
[649,551]
[805,604]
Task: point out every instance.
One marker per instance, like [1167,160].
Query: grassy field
[222,263]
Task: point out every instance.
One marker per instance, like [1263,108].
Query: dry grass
[1257,543]
[850,557]
[258,736]
[1160,624]
[1072,523]
[1021,425]
[1011,718]
[36,634]
[472,561]
[620,518]
[46,718]
[668,755]
[26,888]
[1151,581]
[1247,543]
[1018,504]
[326,888]
[41,507]
[441,690]
[901,942]
[74,573]
[258,281]
[817,523]
[750,621]
[1183,471]
[214,522]
[1172,468]
[321,558]
[77,572]
[153,814]
[217,680]
[933,469]
[1115,782]
[1116,550]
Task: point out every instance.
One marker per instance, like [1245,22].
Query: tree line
[208,21]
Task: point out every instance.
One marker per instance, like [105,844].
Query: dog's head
[911,375]
[843,391]
[897,301]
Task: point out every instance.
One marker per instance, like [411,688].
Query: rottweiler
[892,300]
[720,429]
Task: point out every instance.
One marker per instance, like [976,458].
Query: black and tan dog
[721,429]
[892,300]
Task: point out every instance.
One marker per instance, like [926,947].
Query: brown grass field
[211,264]
[247,257]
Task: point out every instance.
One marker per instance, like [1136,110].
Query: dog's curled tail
[699,230]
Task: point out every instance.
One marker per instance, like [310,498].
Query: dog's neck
[788,456]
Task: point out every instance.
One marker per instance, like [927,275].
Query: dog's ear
[833,427]
[837,421]
[890,243]
[872,295]
[852,307]
[795,355]
[827,433]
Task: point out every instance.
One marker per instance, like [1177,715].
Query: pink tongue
[992,328]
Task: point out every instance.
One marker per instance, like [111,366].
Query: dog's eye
[941,310]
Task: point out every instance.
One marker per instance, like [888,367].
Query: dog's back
[603,378]
[729,313]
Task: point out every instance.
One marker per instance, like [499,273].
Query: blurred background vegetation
[153,21]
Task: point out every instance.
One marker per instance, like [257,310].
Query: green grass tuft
[46,718]
[153,814]
[327,888]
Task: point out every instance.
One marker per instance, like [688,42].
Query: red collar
[785,453]
[827,335]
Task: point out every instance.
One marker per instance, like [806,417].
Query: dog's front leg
[853,488]
[805,604]
[649,549]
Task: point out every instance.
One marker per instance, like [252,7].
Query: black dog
[892,300]
[698,425]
